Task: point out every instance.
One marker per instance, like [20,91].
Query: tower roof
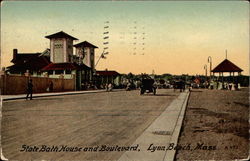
[227,66]
[60,34]
[85,44]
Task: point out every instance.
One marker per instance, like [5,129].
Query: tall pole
[102,56]
[205,67]
[210,61]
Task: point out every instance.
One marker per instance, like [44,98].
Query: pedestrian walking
[107,87]
[110,87]
[51,85]
[29,89]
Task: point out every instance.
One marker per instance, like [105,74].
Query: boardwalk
[89,120]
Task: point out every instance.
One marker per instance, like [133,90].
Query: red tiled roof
[64,66]
[85,44]
[227,66]
[60,34]
[107,73]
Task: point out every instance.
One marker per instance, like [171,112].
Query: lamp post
[209,60]
[205,67]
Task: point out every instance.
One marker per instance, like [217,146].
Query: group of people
[109,87]
[86,86]
[230,86]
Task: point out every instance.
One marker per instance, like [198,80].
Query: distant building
[108,76]
[65,63]
[61,47]
[226,66]
[68,70]
[85,53]
[59,61]
[28,62]
[61,55]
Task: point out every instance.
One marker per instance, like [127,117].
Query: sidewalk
[23,96]
[162,132]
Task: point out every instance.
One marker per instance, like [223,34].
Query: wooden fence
[15,84]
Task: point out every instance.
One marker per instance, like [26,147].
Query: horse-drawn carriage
[147,85]
[180,84]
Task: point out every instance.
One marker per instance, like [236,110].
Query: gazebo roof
[227,66]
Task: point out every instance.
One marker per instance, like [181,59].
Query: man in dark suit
[29,89]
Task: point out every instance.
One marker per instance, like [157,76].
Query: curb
[171,154]
[58,94]
[168,124]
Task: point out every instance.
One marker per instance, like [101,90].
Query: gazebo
[227,66]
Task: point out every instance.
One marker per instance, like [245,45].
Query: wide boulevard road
[84,120]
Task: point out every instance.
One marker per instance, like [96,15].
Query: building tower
[61,47]
[85,53]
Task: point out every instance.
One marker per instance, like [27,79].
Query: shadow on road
[150,94]
[47,98]
[196,91]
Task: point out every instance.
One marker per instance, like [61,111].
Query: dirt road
[88,120]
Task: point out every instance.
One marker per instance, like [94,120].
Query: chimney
[14,54]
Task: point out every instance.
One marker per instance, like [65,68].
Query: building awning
[227,66]
[65,66]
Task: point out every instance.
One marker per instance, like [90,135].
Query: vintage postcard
[124,80]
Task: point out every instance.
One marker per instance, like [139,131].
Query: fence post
[3,82]
[74,81]
[62,82]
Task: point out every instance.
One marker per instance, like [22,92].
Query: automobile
[147,85]
[179,84]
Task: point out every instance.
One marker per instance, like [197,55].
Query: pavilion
[226,66]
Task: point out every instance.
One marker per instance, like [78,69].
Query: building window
[58,46]
[39,73]
[59,72]
[68,71]
[50,72]
[70,58]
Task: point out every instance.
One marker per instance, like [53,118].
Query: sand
[218,121]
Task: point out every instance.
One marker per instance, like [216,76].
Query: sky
[144,36]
